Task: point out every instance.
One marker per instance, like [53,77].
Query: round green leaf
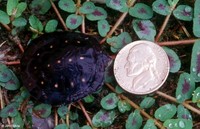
[103,27]
[150,124]
[196,97]
[183,113]
[51,26]
[141,11]
[4,18]
[195,65]
[175,63]
[42,110]
[147,102]
[98,14]
[125,38]
[196,26]
[74,126]
[119,90]
[35,23]
[61,126]
[134,120]
[185,88]
[123,106]
[73,115]
[5,73]
[9,111]
[40,6]
[114,42]
[19,22]
[183,12]
[20,9]
[89,99]
[67,5]
[161,7]
[73,21]
[172,2]
[110,101]
[11,6]
[178,124]
[196,8]
[119,5]
[144,29]
[86,127]
[103,118]
[12,84]
[87,7]
[62,111]
[165,112]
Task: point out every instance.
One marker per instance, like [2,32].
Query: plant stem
[55,117]
[12,63]
[179,42]
[67,115]
[6,27]
[16,40]
[85,113]
[119,21]
[164,24]
[1,99]
[58,14]
[134,105]
[174,100]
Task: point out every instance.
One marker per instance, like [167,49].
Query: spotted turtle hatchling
[63,67]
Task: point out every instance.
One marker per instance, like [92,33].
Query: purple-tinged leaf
[141,11]
[42,110]
[161,7]
[67,5]
[9,111]
[175,63]
[183,12]
[183,113]
[165,112]
[73,21]
[196,26]
[110,101]
[134,120]
[195,61]
[62,111]
[103,118]
[178,124]
[125,38]
[119,5]
[5,73]
[87,7]
[98,14]
[12,84]
[103,27]
[144,29]
[185,88]
[196,97]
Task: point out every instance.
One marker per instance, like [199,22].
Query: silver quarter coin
[141,67]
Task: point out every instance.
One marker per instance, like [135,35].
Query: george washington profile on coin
[141,67]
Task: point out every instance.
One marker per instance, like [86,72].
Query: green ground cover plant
[172,24]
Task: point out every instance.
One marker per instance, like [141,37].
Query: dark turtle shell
[63,67]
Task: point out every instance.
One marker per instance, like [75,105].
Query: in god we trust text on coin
[141,67]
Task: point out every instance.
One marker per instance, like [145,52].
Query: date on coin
[141,67]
